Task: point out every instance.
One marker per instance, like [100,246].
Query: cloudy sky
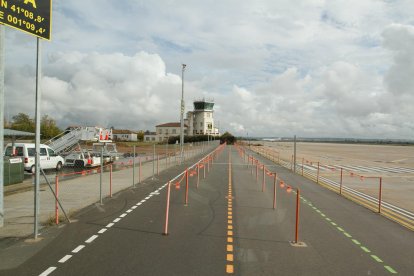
[315,68]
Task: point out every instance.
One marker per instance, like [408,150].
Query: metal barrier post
[110,180]
[340,182]
[133,169]
[100,178]
[139,172]
[198,174]
[56,201]
[302,165]
[167,209]
[380,195]
[297,215]
[274,191]
[264,178]
[158,167]
[186,187]
[257,170]
[317,175]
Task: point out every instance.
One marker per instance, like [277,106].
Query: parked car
[81,159]
[48,158]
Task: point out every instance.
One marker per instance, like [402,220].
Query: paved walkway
[74,194]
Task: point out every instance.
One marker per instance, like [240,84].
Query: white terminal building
[200,121]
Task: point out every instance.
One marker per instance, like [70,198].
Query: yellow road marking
[230,257]
[229,239]
[229,268]
[230,247]
[229,233]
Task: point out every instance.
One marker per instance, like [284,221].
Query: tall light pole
[182,115]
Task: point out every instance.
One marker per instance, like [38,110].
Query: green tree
[228,138]
[23,122]
[48,128]
[140,135]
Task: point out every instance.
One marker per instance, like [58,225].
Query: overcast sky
[313,68]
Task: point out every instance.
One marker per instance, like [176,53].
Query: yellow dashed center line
[230,248]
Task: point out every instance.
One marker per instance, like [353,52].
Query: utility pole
[182,116]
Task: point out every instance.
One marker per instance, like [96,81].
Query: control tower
[201,120]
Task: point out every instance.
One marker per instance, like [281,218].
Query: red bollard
[110,180]
[297,215]
[56,202]
[167,209]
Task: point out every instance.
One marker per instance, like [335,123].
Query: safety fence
[261,171]
[79,188]
[204,164]
[364,189]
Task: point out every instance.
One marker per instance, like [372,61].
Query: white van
[48,158]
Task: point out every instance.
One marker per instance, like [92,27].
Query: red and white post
[167,209]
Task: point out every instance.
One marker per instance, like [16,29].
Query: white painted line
[148,197]
[129,211]
[91,239]
[134,207]
[77,249]
[139,203]
[116,220]
[109,225]
[64,259]
[142,201]
[123,215]
[48,271]
[103,230]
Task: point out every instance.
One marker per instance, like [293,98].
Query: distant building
[150,136]
[165,131]
[124,135]
[200,121]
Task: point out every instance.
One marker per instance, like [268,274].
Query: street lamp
[182,115]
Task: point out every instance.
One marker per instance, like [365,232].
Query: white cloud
[310,67]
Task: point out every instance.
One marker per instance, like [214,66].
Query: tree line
[23,122]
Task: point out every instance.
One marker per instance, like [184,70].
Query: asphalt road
[229,226]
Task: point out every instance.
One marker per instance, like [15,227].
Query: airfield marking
[229,247]
[101,231]
[355,241]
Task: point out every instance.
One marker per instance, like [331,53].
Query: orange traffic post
[204,169]
[297,215]
[274,191]
[208,163]
[110,180]
[186,187]
[167,209]
[56,201]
